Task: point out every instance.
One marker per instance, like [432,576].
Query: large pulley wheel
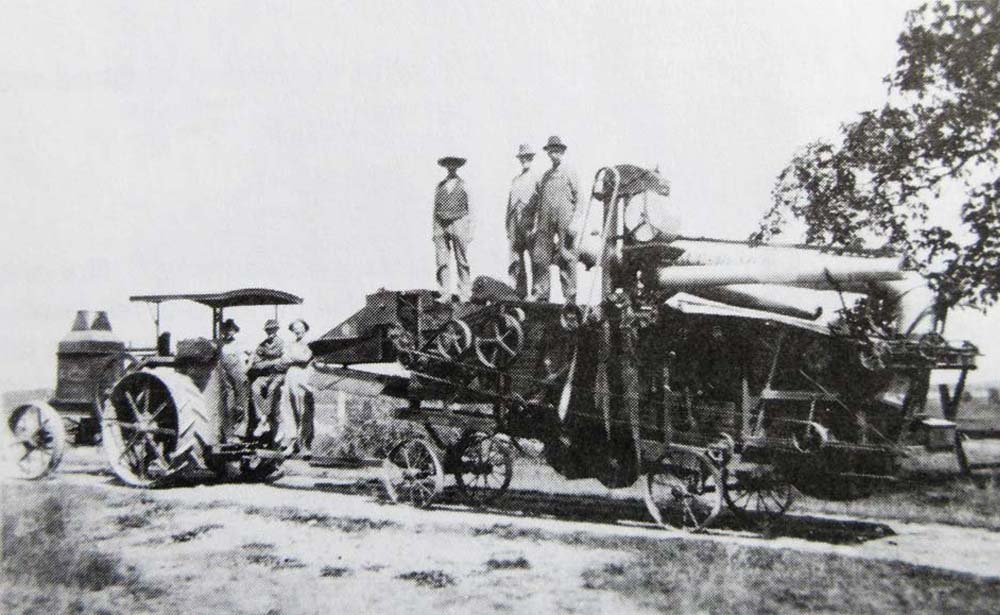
[758,496]
[38,440]
[139,430]
[501,342]
[483,468]
[454,339]
[684,491]
[412,473]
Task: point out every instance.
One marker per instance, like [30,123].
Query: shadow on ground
[599,509]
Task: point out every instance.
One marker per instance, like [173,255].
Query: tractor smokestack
[81,323]
[101,322]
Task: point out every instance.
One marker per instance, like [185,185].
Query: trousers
[453,237]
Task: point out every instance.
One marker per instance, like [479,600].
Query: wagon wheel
[684,491]
[140,432]
[39,438]
[454,339]
[484,468]
[412,473]
[758,496]
[501,347]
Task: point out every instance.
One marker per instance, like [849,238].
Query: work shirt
[558,192]
[521,208]
[451,201]
[269,350]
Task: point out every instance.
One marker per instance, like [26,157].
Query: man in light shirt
[522,223]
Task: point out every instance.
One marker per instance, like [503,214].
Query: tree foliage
[920,175]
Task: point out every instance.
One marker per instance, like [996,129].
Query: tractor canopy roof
[231,298]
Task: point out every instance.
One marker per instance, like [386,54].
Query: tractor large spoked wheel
[412,473]
[502,342]
[758,496]
[684,491]
[39,438]
[484,468]
[139,430]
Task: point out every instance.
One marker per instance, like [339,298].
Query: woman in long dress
[297,396]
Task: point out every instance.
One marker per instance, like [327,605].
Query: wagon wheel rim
[38,440]
[758,501]
[412,473]
[684,491]
[141,437]
[485,469]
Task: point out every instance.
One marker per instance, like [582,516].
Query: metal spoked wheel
[454,339]
[39,438]
[484,468]
[502,342]
[412,473]
[140,430]
[758,496]
[684,491]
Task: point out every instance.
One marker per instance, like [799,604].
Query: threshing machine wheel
[684,490]
[758,496]
[484,467]
[153,426]
[412,473]
[502,343]
[454,339]
[39,438]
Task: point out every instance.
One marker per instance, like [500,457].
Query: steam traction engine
[715,371]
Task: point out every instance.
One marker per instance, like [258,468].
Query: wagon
[692,370]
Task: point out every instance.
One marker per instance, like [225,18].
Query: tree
[919,176]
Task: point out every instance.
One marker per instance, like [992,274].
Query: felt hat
[451,162]
[525,151]
[271,325]
[555,143]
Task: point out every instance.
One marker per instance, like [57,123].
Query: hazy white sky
[167,147]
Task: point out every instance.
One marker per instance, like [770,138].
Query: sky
[200,146]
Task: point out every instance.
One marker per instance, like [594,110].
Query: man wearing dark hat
[234,381]
[452,229]
[268,368]
[522,221]
[558,193]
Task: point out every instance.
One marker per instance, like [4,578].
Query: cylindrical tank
[89,359]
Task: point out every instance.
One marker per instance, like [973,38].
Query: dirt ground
[322,541]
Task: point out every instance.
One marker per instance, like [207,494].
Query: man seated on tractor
[267,371]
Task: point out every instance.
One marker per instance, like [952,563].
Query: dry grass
[48,565]
[713,578]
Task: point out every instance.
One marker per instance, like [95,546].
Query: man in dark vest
[558,193]
[452,229]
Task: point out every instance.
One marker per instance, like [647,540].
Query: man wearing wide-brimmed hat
[558,192]
[235,385]
[452,229]
[522,221]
